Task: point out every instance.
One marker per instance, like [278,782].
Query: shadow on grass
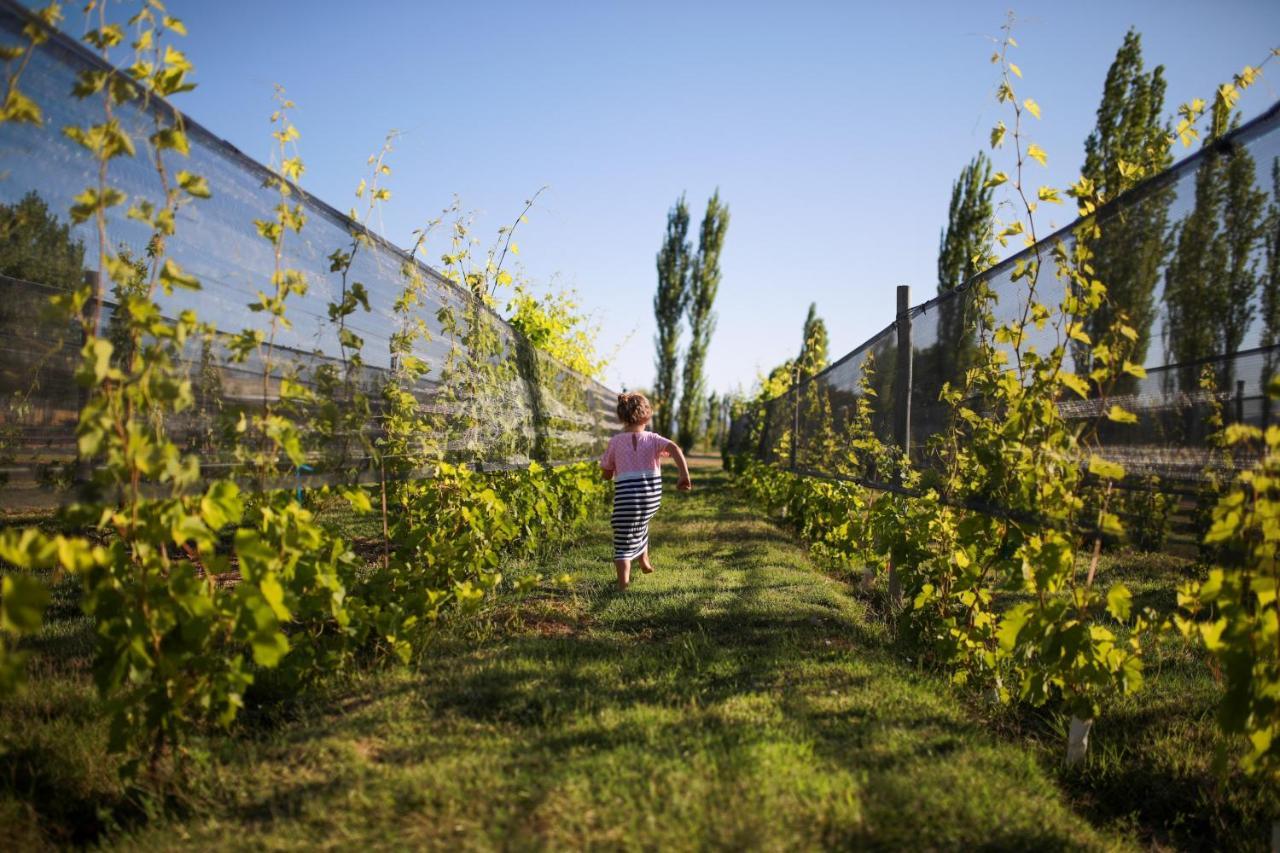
[68,813]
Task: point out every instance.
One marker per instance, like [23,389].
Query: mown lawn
[738,698]
[1151,770]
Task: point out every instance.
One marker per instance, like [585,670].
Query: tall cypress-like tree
[711,428]
[965,244]
[1193,292]
[1243,227]
[668,309]
[816,443]
[813,350]
[1213,278]
[964,250]
[1129,143]
[704,281]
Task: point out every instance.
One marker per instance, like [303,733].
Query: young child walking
[633,461]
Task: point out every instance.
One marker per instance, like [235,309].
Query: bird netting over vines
[488,396]
[1190,257]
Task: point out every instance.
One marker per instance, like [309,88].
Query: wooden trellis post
[902,407]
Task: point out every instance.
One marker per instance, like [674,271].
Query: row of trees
[992,555]
[1211,277]
[1219,264]
[687,285]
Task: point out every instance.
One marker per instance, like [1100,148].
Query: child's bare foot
[645,565]
[624,573]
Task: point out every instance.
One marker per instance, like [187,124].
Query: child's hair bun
[634,408]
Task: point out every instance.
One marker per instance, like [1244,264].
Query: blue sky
[833,130]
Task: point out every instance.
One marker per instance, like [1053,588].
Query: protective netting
[1192,258]
[492,398]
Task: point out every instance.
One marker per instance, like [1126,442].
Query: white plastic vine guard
[1078,741]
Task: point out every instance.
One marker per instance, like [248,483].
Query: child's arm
[684,484]
[608,466]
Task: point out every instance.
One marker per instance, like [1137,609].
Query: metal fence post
[795,423]
[902,385]
[1239,401]
[902,408]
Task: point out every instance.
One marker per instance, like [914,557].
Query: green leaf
[99,351]
[23,600]
[1074,382]
[1119,602]
[195,185]
[20,109]
[1011,625]
[997,135]
[221,505]
[172,138]
[256,555]
[27,548]
[172,275]
[273,592]
[1109,523]
[76,554]
[1121,416]
[359,500]
[1211,633]
[1100,467]
[268,650]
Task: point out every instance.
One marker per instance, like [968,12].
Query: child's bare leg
[645,565]
[624,572]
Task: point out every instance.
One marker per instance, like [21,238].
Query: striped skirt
[636,498]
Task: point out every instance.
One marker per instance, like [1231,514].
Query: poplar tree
[965,244]
[1129,143]
[668,308]
[1193,294]
[1243,226]
[1213,278]
[964,250]
[724,419]
[704,281]
[816,443]
[813,351]
[711,430]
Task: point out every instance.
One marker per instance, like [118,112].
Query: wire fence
[528,408]
[1191,256]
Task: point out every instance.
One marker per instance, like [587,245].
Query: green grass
[1152,757]
[738,698]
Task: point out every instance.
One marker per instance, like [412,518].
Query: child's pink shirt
[635,453]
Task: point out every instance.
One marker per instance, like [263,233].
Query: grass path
[735,699]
